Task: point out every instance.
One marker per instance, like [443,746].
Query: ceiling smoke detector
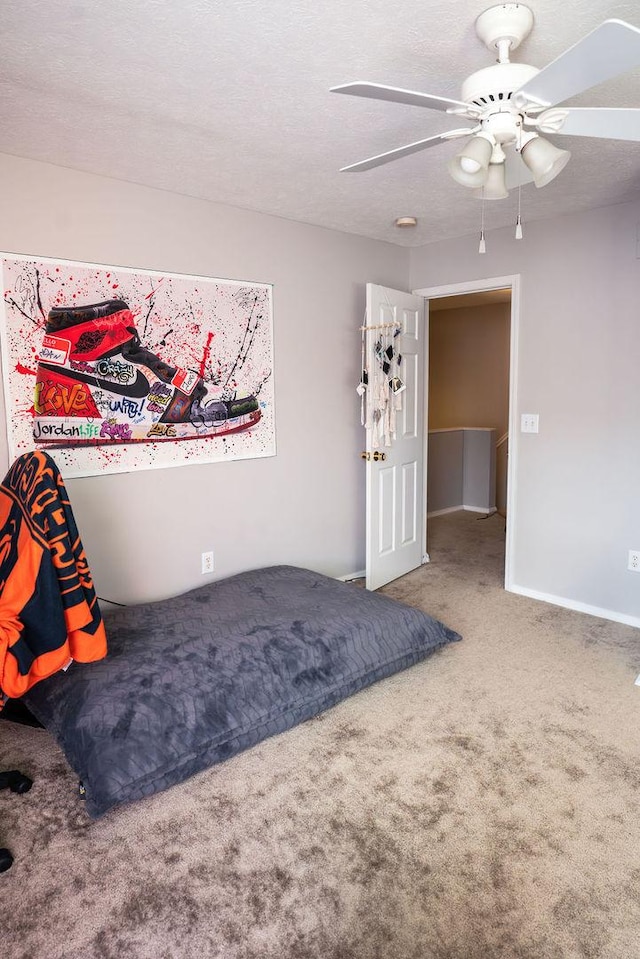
[404,221]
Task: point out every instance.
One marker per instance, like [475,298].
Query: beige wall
[144,531]
[469,367]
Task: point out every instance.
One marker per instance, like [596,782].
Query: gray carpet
[484,803]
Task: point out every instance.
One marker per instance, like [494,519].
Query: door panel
[386,514]
[395,501]
[409,504]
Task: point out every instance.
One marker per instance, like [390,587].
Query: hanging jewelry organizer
[381,386]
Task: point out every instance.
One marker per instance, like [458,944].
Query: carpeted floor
[485,803]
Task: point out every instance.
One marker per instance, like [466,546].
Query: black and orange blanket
[49,612]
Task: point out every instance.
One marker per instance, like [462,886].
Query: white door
[395,525]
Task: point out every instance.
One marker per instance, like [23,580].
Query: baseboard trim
[441,512]
[351,576]
[362,574]
[485,510]
[576,606]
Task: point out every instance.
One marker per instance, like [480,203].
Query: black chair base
[17,782]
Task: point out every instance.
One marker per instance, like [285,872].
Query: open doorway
[468,410]
[470,443]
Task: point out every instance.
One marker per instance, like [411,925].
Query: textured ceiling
[230,102]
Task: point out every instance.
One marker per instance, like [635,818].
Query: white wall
[578,480]
[144,532]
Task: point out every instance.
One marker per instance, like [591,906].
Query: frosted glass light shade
[469,167]
[544,160]
[494,187]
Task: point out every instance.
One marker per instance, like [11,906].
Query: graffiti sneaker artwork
[96,383]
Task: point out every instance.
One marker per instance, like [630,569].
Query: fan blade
[376,91]
[611,123]
[405,151]
[606,52]
[516,172]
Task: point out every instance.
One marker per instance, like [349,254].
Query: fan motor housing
[494,86]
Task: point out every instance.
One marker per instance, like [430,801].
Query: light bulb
[469,165]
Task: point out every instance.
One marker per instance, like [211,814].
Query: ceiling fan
[511,104]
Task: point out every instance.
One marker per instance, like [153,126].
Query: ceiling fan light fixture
[471,165]
[544,159]
[494,187]
[506,99]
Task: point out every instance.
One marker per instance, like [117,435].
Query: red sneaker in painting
[96,383]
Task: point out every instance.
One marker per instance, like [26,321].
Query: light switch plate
[529,423]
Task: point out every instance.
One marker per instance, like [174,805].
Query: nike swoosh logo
[137,389]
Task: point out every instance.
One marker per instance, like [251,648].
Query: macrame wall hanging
[381,386]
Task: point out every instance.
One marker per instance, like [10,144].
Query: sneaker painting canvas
[113,369]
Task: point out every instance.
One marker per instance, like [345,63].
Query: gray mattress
[192,680]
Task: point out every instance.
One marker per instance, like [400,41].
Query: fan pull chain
[519,217]
[518,228]
[483,246]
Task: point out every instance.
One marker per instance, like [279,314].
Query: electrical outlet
[634,560]
[207,562]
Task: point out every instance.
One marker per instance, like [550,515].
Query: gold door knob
[365,456]
[378,456]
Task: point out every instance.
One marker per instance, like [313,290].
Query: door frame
[480,286]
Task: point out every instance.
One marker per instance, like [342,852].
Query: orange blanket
[49,613]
